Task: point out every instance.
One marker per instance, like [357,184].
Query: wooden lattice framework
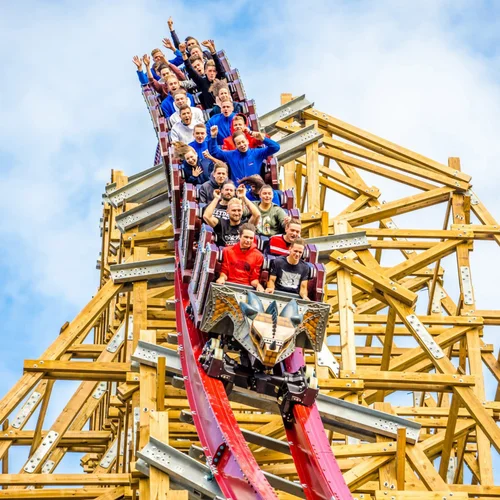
[373,307]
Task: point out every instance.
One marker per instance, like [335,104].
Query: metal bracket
[42,450]
[143,270]
[111,187]
[425,336]
[147,354]
[100,390]
[181,468]
[363,422]
[110,455]
[466,285]
[119,336]
[474,200]
[439,295]
[25,410]
[284,112]
[48,466]
[155,210]
[326,358]
[142,189]
[341,242]
[294,145]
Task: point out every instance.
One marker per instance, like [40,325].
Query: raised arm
[140,74]
[193,74]
[241,193]
[173,34]
[213,147]
[210,45]
[271,147]
[208,216]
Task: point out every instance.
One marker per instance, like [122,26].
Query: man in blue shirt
[222,120]
[200,142]
[243,161]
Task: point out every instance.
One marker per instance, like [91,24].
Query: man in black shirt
[290,273]
[226,230]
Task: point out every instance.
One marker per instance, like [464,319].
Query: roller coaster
[201,390]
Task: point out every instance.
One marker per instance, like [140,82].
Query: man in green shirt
[272,217]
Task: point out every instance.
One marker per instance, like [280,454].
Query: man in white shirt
[180,99]
[183,130]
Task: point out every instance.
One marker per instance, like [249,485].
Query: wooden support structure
[390,339]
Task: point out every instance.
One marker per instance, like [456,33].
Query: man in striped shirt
[280,244]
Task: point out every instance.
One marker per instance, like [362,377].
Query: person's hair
[194,58]
[254,181]
[181,149]
[154,51]
[298,241]
[160,67]
[209,63]
[217,85]
[220,164]
[172,77]
[246,227]
[227,99]
[240,116]
[191,38]
[180,90]
[266,186]
[232,201]
[228,181]
[182,108]
[200,125]
[237,134]
[293,221]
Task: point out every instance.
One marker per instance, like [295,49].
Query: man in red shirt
[241,263]
[280,244]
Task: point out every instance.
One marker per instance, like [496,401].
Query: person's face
[198,66]
[191,158]
[211,73]
[191,43]
[180,100]
[158,56]
[238,124]
[165,73]
[223,93]
[219,175]
[196,51]
[296,252]
[200,134]
[173,85]
[246,239]
[241,143]
[266,195]
[226,108]
[227,192]
[186,116]
[235,211]
[293,232]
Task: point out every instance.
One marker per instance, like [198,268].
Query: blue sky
[425,75]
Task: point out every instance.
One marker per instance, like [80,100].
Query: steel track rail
[236,470]
[316,465]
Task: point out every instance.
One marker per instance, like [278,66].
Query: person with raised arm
[226,230]
[180,100]
[242,262]
[182,131]
[243,161]
[289,273]
[203,82]
[280,244]
[216,181]
[189,41]
[254,184]
[223,121]
[240,124]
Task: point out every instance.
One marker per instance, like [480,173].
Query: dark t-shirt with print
[288,276]
[227,235]
[220,211]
